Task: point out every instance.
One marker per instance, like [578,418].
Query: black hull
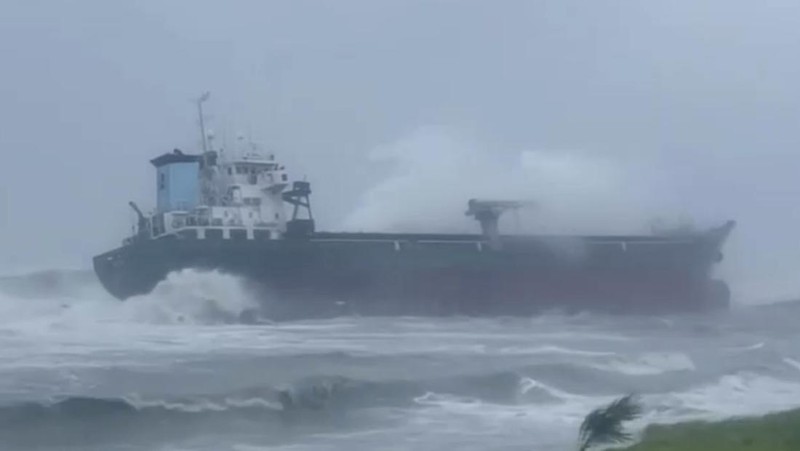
[420,275]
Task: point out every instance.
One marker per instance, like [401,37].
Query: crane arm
[143,223]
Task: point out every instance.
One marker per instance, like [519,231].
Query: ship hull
[331,274]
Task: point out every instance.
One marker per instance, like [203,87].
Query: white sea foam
[206,405]
[732,395]
[443,399]
[528,385]
[551,349]
[752,347]
[649,364]
[192,296]
[792,362]
[187,296]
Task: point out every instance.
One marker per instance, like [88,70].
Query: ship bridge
[224,193]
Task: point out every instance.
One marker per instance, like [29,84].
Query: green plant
[605,424]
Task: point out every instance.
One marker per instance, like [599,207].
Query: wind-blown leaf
[604,425]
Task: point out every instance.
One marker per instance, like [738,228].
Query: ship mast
[207,191]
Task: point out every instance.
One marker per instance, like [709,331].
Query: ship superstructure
[239,193]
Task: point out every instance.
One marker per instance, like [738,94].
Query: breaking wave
[314,403]
[741,393]
[321,378]
[194,296]
[650,364]
[184,297]
[91,408]
[339,393]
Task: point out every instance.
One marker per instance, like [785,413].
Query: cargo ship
[235,211]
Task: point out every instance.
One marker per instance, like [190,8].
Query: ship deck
[476,238]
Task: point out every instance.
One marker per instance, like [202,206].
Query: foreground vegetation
[775,432]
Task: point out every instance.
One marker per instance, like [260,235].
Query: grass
[774,432]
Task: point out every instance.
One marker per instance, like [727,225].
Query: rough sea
[173,370]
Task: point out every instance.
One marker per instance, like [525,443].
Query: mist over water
[173,370]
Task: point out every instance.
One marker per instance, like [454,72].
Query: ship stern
[123,274]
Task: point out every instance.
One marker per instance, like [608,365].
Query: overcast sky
[608,113]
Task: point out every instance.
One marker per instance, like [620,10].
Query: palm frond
[604,425]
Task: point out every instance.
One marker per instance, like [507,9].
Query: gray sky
[398,111]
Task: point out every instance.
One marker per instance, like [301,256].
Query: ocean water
[174,370]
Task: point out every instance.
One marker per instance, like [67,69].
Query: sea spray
[436,170]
